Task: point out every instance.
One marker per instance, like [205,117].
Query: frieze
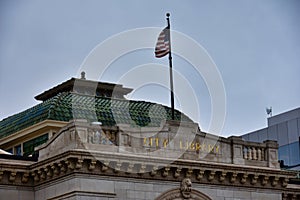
[182,145]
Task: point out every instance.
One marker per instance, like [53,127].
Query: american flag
[162,47]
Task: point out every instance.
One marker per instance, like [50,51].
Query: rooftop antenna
[269,111]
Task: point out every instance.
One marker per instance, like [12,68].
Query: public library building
[86,141]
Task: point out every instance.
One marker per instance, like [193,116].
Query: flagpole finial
[168,15]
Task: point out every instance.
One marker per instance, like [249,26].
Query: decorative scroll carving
[142,169]
[265,180]
[165,171]
[200,175]
[284,196]
[222,176]
[36,176]
[92,165]
[254,179]
[117,167]
[211,175]
[12,176]
[25,177]
[189,173]
[177,172]
[48,172]
[105,166]
[130,168]
[285,182]
[274,181]
[233,177]
[244,178]
[55,169]
[70,164]
[79,164]
[62,167]
[154,171]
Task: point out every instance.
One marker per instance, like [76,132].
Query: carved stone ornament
[186,188]
[185,192]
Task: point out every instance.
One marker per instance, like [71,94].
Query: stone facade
[174,161]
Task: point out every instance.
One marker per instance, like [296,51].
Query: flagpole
[170,64]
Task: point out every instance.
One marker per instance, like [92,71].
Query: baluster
[249,154]
[245,153]
[263,154]
[254,156]
[259,154]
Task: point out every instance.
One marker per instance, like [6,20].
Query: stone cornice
[118,165]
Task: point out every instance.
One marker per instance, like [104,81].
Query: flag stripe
[162,47]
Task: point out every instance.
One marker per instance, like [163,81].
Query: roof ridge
[54,102]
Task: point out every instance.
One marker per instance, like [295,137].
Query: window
[28,147]
[18,150]
[294,153]
[283,153]
[290,154]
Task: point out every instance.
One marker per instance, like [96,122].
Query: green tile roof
[66,106]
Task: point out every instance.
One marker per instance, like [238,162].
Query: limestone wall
[94,188]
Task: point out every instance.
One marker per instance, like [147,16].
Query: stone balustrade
[172,140]
[257,154]
[254,153]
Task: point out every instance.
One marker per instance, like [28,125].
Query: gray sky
[255,45]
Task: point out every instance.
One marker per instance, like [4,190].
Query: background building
[285,129]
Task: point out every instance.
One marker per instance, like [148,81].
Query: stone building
[86,141]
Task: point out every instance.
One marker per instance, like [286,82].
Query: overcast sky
[255,45]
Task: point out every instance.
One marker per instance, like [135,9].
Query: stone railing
[168,141]
[254,152]
[251,153]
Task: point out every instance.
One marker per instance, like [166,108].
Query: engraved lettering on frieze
[156,142]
